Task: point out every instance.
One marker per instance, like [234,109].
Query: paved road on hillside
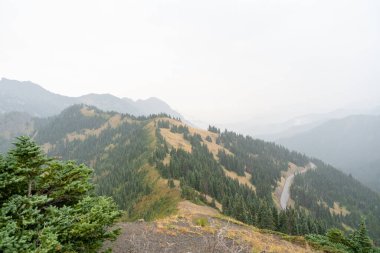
[285,195]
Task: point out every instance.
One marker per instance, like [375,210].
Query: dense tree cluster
[120,154]
[231,162]
[163,124]
[45,204]
[200,174]
[263,160]
[329,185]
[116,154]
[179,129]
[214,129]
[70,120]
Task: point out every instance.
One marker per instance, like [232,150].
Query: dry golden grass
[87,111]
[244,180]
[46,147]
[347,228]
[160,187]
[265,242]
[166,160]
[115,121]
[212,146]
[110,147]
[160,190]
[112,122]
[338,209]
[175,140]
[239,232]
[218,205]
[189,209]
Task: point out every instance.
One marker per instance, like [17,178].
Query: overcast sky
[210,60]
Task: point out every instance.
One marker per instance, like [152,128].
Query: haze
[214,61]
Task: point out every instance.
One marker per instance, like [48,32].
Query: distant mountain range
[33,99]
[351,144]
[265,129]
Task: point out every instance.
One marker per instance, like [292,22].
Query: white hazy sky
[211,60]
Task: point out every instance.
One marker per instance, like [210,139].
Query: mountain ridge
[149,164]
[32,98]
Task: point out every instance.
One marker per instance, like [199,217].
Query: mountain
[35,100]
[30,98]
[109,102]
[151,165]
[12,125]
[351,144]
[155,106]
[264,127]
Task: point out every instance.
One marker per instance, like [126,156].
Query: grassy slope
[162,201]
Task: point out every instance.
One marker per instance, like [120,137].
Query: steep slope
[36,101]
[149,165]
[351,144]
[201,229]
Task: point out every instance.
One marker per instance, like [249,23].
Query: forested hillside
[148,164]
[350,144]
[328,187]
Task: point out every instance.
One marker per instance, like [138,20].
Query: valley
[189,126]
[150,165]
[350,144]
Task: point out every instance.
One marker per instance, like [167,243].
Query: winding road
[285,195]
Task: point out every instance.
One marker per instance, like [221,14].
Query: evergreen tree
[45,204]
[362,242]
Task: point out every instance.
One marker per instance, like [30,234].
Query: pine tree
[45,204]
[362,242]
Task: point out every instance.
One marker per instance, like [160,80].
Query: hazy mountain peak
[155,105]
[29,97]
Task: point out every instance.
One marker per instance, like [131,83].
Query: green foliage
[70,120]
[171,183]
[159,208]
[117,156]
[199,174]
[262,159]
[45,204]
[230,162]
[335,235]
[190,194]
[202,221]
[163,124]
[330,185]
[336,242]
